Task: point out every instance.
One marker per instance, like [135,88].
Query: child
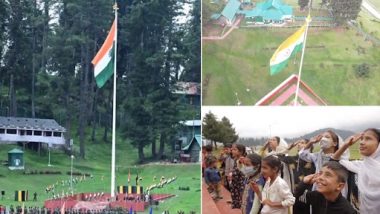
[368,169]
[276,195]
[227,165]
[299,169]
[329,143]
[275,145]
[251,170]
[237,177]
[212,177]
[328,198]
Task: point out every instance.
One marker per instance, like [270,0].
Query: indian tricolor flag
[104,60]
[288,48]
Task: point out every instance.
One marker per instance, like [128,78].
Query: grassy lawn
[97,163]
[239,65]
[368,23]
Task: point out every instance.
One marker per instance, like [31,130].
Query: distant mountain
[260,141]
[342,133]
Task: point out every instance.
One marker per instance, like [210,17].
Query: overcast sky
[295,121]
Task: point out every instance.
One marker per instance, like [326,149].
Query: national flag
[104,60]
[288,48]
[63,208]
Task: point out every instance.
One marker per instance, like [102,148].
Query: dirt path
[234,26]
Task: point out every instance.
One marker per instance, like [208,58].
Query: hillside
[98,165]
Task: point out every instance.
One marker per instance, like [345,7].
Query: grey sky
[295,121]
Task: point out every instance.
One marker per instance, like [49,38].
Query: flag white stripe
[103,62]
[285,54]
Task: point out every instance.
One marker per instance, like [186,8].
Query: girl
[251,170]
[276,195]
[329,142]
[237,177]
[368,169]
[275,145]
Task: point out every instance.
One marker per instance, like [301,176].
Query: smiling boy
[327,199]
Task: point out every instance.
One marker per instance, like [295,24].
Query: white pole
[49,155]
[71,177]
[308,19]
[114,112]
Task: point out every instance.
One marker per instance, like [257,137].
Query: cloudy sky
[295,121]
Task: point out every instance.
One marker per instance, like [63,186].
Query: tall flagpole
[114,110]
[308,20]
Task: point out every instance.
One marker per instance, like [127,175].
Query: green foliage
[362,70]
[345,10]
[47,72]
[303,3]
[218,131]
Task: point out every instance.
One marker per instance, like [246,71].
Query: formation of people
[270,180]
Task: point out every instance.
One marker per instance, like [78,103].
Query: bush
[362,70]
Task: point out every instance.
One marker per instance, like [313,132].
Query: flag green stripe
[274,69]
[105,74]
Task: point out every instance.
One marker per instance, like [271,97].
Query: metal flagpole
[308,20]
[114,110]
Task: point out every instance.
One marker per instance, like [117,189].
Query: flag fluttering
[287,49]
[103,61]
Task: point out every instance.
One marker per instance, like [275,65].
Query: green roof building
[230,10]
[15,159]
[270,11]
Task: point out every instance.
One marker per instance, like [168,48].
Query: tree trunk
[12,99]
[216,147]
[162,145]
[141,153]
[154,154]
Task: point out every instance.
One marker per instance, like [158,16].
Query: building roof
[15,151]
[30,123]
[231,9]
[270,9]
[197,139]
[188,88]
[284,94]
[191,123]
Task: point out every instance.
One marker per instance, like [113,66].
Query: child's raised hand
[354,138]
[315,139]
[310,179]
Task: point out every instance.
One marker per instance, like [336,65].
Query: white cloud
[295,121]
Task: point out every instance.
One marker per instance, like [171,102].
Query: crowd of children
[270,181]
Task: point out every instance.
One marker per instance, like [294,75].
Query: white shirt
[279,191]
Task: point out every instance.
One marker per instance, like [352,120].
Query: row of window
[31,132]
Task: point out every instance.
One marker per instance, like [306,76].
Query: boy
[212,177]
[327,199]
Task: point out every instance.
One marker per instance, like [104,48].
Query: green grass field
[240,64]
[97,163]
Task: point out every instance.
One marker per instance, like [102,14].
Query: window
[22,132]
[29,132]
[37,133]
[57,134]
[48,134]
[11,131]
[2,131]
